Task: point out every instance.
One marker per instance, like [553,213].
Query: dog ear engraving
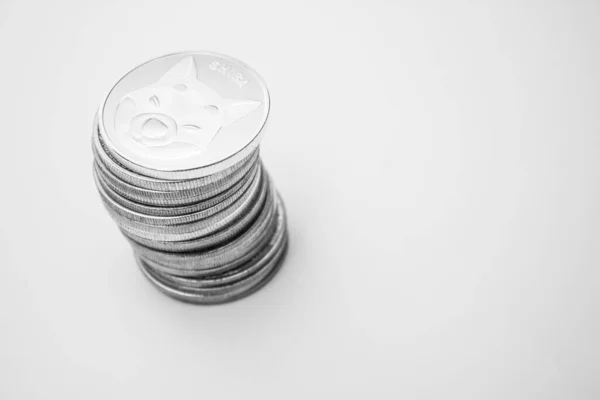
[237,109]
[184,70]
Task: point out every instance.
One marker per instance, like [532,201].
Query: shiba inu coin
[177,167]
[185,115]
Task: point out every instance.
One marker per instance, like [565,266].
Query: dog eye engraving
[154,101]
[212,110]
[191,128]
[178,116]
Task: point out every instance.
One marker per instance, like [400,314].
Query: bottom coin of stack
[205,240]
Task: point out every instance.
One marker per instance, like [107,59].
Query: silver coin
[255,194]
[255,218]
[172,198]
[184,115]
[187,214]
[108,197]
[232,275]
[211,259]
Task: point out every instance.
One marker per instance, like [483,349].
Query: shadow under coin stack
[176,163]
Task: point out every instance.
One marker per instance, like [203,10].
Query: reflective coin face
[185,111]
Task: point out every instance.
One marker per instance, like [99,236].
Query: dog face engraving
[178,116]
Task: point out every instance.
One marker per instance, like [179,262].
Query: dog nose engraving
[153,128]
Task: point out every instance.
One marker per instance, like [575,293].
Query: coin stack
[177,166]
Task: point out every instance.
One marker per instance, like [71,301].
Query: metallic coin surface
[187,114]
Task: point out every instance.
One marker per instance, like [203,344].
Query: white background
[440,166]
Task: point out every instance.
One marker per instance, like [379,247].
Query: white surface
[440,167]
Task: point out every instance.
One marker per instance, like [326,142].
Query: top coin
[184,113]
